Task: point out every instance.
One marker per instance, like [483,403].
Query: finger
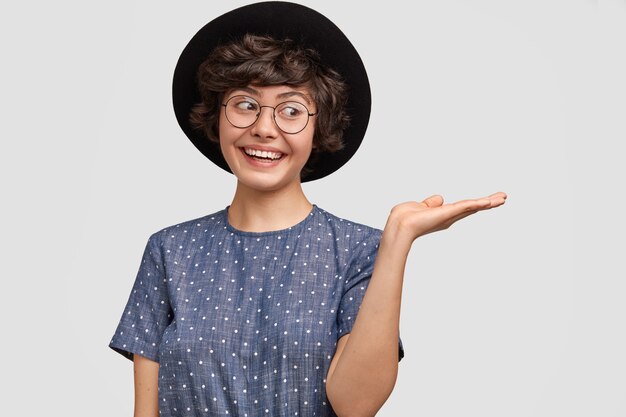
[497,199]
[497,202]
[469,205]
[434,201]
[469,212]
[461,216]
[498,194]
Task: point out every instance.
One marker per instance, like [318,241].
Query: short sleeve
[147,312]
[358,276]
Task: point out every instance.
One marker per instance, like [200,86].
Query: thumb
[434,201]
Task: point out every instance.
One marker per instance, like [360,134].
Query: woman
[273,306]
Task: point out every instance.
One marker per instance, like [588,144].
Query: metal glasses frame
[273,114]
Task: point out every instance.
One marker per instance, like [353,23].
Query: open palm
[413,219]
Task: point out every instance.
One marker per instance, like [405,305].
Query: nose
[265,126]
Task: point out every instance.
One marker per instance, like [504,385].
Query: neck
[262,211]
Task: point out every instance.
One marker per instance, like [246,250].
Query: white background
[514,312]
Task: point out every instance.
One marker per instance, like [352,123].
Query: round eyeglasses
[290,116]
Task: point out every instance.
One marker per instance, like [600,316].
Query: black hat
[280,20]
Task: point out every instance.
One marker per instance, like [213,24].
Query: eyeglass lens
[290,116]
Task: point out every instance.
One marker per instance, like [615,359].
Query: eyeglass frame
[273,114]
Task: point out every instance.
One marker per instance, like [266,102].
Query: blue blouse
[242,323]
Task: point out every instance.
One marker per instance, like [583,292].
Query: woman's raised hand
[410,220]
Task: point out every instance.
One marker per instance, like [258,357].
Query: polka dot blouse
[242,323]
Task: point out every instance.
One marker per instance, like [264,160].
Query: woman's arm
[364,369]
[146,387]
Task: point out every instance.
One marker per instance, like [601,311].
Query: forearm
[146,374]
[365,372]
[367,369]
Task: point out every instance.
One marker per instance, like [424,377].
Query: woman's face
[262,156]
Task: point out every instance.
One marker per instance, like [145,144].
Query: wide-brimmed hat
[280,20]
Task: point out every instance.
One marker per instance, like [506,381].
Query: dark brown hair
[265,61]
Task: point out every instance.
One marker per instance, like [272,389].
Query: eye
[291,110]
[244,104]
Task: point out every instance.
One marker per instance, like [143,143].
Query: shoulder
[354,233]
[190,229]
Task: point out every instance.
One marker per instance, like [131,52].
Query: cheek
[221,124]
[225,131]
[225,138]
[305,147]
[313,144]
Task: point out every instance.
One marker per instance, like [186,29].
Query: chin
[268,183]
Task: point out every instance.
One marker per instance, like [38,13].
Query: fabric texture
[243,323]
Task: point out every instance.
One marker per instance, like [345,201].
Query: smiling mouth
[262,155]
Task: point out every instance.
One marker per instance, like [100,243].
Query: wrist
[395,238]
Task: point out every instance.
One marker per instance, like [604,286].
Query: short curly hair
[266,61]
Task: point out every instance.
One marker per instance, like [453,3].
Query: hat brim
[280,20]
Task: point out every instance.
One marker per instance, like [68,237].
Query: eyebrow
[295,93]
[281,95]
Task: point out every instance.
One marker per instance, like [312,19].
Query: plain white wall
[514,312]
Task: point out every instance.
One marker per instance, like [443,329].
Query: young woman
[273,306]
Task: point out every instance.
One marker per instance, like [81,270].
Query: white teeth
[263,154]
